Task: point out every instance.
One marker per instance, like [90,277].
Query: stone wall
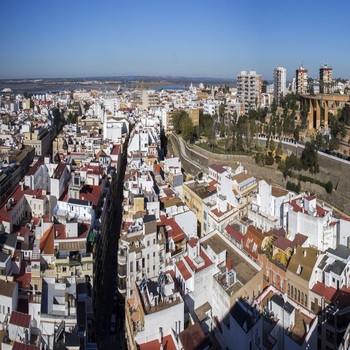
[330,170]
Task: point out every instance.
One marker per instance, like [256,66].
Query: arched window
[291,293]
[302,297]
[298,296]
[305,299]
[288,290]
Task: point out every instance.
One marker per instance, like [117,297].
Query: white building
[267,206]
[279,82]
[304,215]
[249,90]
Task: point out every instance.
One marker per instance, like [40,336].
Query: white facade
[249,90]
[8,300]
[187,222]
[304,215]
[279,82]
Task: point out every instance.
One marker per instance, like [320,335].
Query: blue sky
[195,38]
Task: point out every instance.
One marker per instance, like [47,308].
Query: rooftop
[245,271]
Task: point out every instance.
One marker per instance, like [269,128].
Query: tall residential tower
[279,83]
[249,90]
[301,80]
[325,79]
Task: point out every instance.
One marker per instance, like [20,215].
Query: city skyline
[194,39]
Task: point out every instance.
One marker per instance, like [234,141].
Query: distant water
[171,87]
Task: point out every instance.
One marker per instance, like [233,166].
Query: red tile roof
[34,168]
[16,195]
[207,262]
[90,193]
[219,168]
[234,233]
[331,294]
[83,230]
[59,170]
[20,319]
[168,344]
[174,231]
[299,239]
[183,270]
[193,242]
[282,243]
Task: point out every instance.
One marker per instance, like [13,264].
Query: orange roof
[174,231]
[167,342]
[47,241]
[183,270]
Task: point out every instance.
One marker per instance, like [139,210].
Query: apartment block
[249,90]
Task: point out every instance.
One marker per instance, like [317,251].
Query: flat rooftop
[244,271]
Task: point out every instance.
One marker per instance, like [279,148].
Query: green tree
[309,158]
[178,117]
[296,133]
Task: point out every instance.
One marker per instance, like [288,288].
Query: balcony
[86,258]
[122,271]
[121,259]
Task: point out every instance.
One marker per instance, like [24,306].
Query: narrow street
[107,305]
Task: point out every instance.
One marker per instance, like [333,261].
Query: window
[305,300]
[131,266]
[64,269]
[147,256]
[288,289]
[154,254]
[298,296]
[291,293]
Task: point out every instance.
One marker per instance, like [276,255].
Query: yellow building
[299,272]
[194,192]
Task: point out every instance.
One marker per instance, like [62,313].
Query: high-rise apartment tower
[301,80]
[326,79]
[249,90]
[279,83]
